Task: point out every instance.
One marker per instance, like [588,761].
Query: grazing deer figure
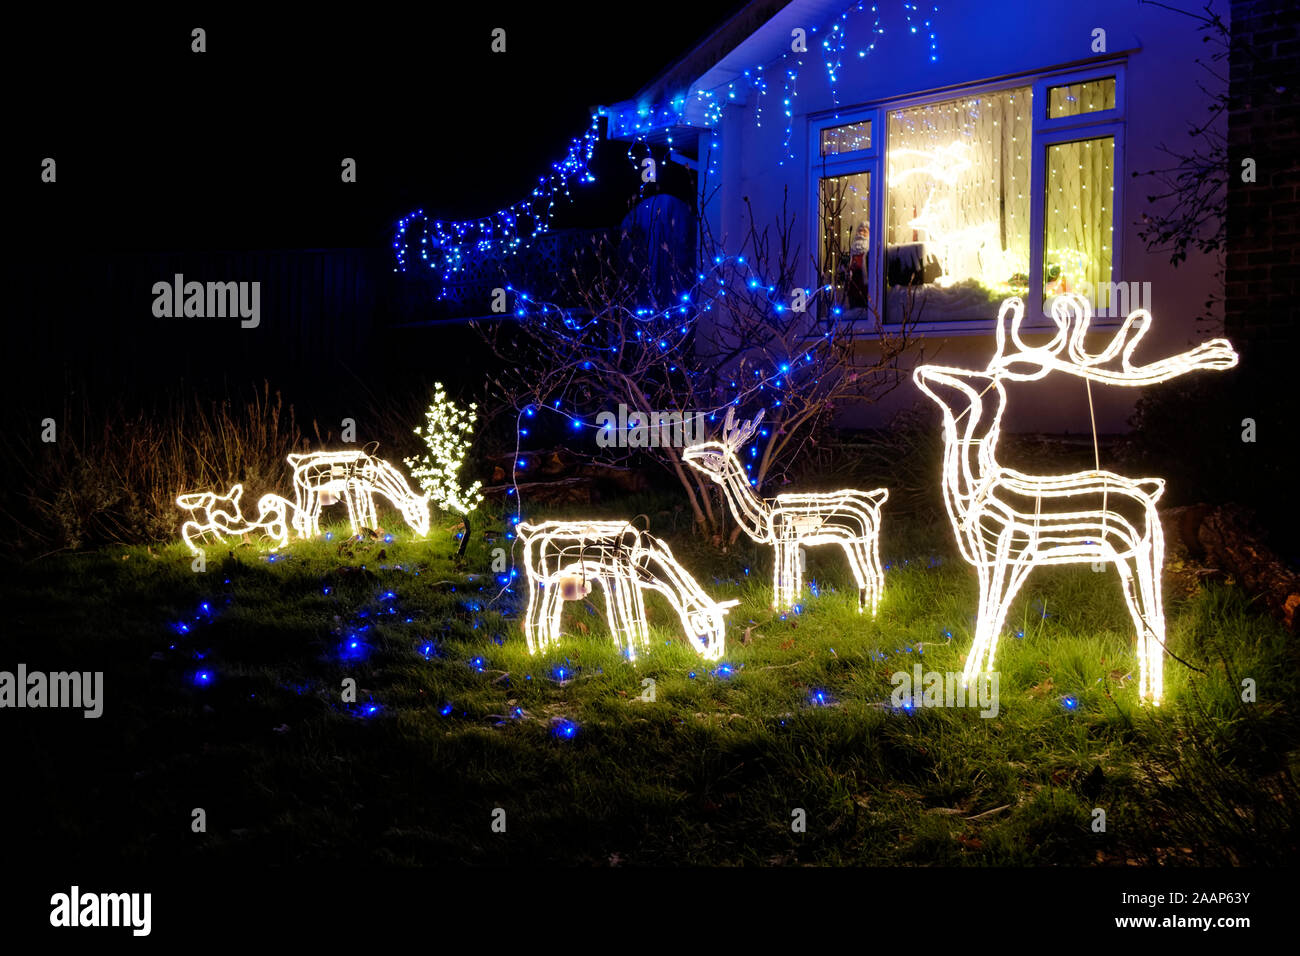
[322,478]
[563,558]
[1008,522]
[221,516]
[789,522]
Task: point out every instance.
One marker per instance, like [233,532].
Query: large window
[947,207]
[958,205]
[1078,219]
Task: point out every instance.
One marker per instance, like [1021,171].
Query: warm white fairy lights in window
[1008,522]
[564,558]
[447,434]
[850,519]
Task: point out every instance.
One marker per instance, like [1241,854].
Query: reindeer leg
[875,569]
[626,611]
[1001,576]
[535,618]
[1146,608]
[552,612]
[617,612]
[787,579]
[858,564]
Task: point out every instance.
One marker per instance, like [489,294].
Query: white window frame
[1044,132]
[868,161]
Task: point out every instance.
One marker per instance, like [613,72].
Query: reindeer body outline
[625,562]
[221,516]
[1005,542]
[791,521]
[355,477]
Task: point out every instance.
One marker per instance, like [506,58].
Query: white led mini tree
[1008,522]
[447,433]
[789,522]
[564,558]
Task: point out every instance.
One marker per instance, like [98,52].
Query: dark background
[226,166]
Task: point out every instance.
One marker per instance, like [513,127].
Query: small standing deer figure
[788,522]
[321,478]
[1008,522]
[563,558]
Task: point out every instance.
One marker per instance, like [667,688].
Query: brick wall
[1263,223]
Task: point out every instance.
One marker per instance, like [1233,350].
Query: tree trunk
[1225,538]
[464,538]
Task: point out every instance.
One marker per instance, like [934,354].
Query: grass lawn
[453,719]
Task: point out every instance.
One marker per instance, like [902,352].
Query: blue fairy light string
[451,247]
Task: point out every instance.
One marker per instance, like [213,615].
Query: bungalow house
[940,157]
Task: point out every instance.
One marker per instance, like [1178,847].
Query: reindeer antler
[1072,314]
[736,437]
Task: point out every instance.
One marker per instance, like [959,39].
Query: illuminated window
[1079,220]
[957,236]
[1075,99]
[844,238]
[846,139]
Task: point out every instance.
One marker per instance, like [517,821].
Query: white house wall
[982,42]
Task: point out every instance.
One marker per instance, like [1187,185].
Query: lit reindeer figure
[324,477]
[789,522]
[1008,522]
[220,516]
[563,558]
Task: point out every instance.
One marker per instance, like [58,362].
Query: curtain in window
[1079,219]
[958,204]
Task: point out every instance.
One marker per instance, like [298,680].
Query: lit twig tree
[730,329]
[447,433]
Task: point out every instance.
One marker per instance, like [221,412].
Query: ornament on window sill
[789,522]
[565,558]
[1008,522]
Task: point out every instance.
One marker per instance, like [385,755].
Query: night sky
[160,149]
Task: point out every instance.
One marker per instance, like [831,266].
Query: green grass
[709,773]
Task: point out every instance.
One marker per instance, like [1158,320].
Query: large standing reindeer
[322,477]
[1008,522]
[564,558]
[788,522]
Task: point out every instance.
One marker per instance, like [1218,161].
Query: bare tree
[733,328]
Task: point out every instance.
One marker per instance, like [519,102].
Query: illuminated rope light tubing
[319,478]
[1005,543]
[788,522]
[221,517]
[563,558]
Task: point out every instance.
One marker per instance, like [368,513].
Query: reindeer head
[718,458]
[207,503]
[708,625]
[416,512]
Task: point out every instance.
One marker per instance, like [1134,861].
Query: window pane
[846,139]
[957,235]
[1076,98]
[845,237]
[1079,219]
